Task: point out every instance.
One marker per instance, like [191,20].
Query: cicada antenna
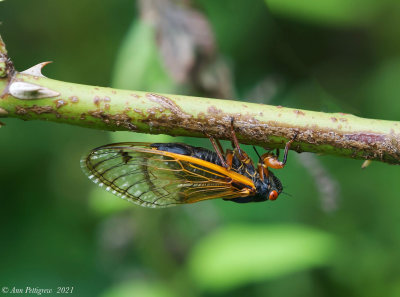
[286,193]
[259,157]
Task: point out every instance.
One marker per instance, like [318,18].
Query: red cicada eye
[273,195]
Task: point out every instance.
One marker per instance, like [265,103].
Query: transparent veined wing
[154,178]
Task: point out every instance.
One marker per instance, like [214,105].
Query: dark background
[337,231]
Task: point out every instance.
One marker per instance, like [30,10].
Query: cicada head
[268,189]
[274,186]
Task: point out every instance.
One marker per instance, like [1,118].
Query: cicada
[168,174]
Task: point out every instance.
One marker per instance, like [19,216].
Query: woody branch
[28,95]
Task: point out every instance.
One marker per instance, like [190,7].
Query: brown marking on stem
[333,119]
[343,120]
[368,138]
[3,112]
[99,114]
[155,110]
[20,110]
[96,100]
[42,109]
[36,109]
[212,109]
[299,112]
[119,120]
[140,112]
[74,99]
[107,106]
[60,103]
[83,116]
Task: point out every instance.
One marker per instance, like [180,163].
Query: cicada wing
[153,178]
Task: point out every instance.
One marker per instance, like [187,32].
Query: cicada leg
[228,154]
[271,160]
[235,144]
[219,145]
[229,158]
[218,149]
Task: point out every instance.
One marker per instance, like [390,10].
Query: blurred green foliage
[333,56]
[139,67]
[136,288]
[330,13]
[252,253]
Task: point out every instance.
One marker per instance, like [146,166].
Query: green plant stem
[146,112]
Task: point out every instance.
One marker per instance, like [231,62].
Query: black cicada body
[168,174]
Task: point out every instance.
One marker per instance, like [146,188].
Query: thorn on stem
[37,69]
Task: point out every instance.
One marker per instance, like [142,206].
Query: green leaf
[242,254]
